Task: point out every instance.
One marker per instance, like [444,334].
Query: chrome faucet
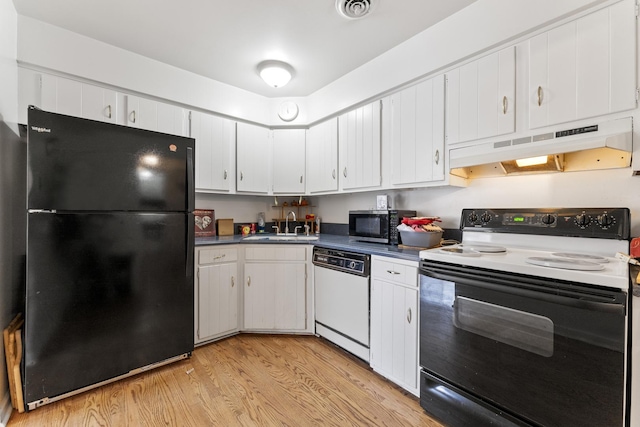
[286,221]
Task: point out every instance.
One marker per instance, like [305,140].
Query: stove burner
[583,257]
[460,251]
[565,263]
[488,249]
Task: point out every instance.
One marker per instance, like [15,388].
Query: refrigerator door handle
[191,231]
[190,179]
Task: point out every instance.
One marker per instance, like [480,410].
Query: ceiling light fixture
[275,73]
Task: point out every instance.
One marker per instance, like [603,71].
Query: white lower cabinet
[276,288]
[394,321]
[216,293]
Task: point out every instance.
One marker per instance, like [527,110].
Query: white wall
[606,188]
[10,155]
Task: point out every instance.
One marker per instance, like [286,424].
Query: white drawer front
[394,272]
[217,255]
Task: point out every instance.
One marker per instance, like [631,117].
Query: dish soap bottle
[261,222]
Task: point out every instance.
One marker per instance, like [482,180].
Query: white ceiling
[225,39]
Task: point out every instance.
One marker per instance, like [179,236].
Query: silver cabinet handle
[539,96]
[249,281]
[333,174]
[241,176]
[437,157]
[108,111]
[233,281]
[504,105]
[132,116]
[344,172]
[219,257]
[409,315]
[392,272]
[300,179]
[225,174]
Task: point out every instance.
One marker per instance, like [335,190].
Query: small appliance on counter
[377,226]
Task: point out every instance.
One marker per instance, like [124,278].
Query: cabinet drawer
[276,253]
[217,255]
[394,271]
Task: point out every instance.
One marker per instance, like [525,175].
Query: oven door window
[526,331]
[553,360]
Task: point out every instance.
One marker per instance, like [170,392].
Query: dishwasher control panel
[347,262]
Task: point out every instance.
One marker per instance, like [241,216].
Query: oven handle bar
[596,300]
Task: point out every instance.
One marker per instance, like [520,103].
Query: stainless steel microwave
[377,226]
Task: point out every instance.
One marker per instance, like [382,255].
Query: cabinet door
[172,119]
[61,95]
[215,138]
[417,133]
[394,332]
[142,113]
[322,157]
[252,158]
[99,103]
[359,142]
[481,98]
[217,301]
[288,161]
[275,296]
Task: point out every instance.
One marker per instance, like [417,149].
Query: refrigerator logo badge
[40,130]
[173,148]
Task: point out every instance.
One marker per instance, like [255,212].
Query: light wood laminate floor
[245,380]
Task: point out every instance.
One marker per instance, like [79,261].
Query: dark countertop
[330,241]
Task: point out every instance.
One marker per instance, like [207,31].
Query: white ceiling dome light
[275,73]
[354,9]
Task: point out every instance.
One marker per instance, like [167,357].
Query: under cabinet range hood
[605,145]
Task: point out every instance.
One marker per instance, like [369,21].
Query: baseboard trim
[5,409]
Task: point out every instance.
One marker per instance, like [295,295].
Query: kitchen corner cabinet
[147,114]
[359,145]
[322,157]
[252,158]
[585,68]
[276,294]
[394,321]
[417,133]
[215,142]
[216,292]
[481,98]
[288,161]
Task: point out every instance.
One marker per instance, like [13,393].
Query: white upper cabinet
[142,113]
[584,68]
[417,133]
[322,157]
[289,161]
[99,103]
[173,120]
[252,158]
[215,141]
[359,143]
[481,98]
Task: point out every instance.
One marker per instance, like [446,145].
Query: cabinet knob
[409,316]
[437,157]
[133,116]
[233,281]
[504,105]
[241,176]
[249,281]
[108,111]
[344,172]
[539,96]
[300,179]
[333,174]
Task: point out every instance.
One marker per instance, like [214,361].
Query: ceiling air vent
[354,9]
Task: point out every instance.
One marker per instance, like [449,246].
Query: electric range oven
[526,321]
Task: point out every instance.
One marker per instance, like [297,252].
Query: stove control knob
[583,220]
[548,219]
[605,221]
[473,217]
[485,217]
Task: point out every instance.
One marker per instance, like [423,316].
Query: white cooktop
[600,268]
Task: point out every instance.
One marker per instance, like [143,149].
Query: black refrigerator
[110,229]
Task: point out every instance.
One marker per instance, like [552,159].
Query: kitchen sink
[281,237]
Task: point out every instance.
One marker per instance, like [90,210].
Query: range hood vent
[605,145]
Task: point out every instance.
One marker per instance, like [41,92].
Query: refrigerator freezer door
[82,165]
[106,294]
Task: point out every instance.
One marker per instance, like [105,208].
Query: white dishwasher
[342,299]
